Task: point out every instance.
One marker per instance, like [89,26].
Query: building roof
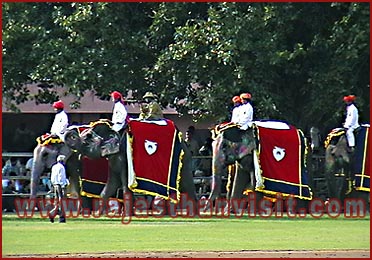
[90,103]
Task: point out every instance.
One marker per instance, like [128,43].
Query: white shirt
[352,117]
[58,175]
[235,114]
[245,116]
[119,114]
[60,124]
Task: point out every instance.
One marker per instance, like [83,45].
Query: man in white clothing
[235,112]
[60,122]
[351,121]
[119,113]
[245,111]
[59,181]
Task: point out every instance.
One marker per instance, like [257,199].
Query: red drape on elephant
[94,176]
[281,158]
[362,167]
[156,153]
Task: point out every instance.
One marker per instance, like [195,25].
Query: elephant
[340,165]
[45,155]
[100,141]
[234,146]
[88,143]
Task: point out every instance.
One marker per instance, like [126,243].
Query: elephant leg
[187,187]
[73,169]
[112,185]
[128,200]
[230,180]
[74,187]
[350,166]
[340,188]
[338,196]
[121,165]
[215,191]
[330,177]
[73,191]
[241,181]
[331,185]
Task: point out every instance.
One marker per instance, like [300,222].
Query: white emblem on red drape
[150,147]
[278,153]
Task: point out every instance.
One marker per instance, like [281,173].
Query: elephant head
[44,156]
[339,150]
[337,166]
[93,141]
[72,138]
[230,146]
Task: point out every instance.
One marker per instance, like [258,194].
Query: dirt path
[239,254]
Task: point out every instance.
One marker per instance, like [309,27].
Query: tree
[81,46]
[297,63]
[272,50]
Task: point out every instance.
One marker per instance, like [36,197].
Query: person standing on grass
[59,182]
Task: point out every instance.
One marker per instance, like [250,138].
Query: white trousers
[350,136]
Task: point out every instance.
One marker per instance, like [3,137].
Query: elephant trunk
[218,165]
[36,171]
[219,158]
[34,183]
[330,168]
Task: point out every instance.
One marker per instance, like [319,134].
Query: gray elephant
[234,146]
[231,146]
[100,140]
[45,155]
[347,173]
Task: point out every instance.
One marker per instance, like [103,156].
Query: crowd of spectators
[201,162]
[16,174]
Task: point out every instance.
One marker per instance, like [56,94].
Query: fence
[317,176]
[202,183]
[20,178]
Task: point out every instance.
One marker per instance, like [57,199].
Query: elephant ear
[102,129]
[72,139]
[233,134]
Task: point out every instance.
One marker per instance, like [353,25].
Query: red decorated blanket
[280,160]
[362,168]
[154,158]
[94,176]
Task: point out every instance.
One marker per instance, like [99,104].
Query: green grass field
[38,236]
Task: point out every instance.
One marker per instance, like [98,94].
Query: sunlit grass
[79,235]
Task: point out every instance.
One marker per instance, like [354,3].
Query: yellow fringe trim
[331,135]
[100,121]
[49,140]
[218,129]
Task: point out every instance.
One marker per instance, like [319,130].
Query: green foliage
[297,59]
